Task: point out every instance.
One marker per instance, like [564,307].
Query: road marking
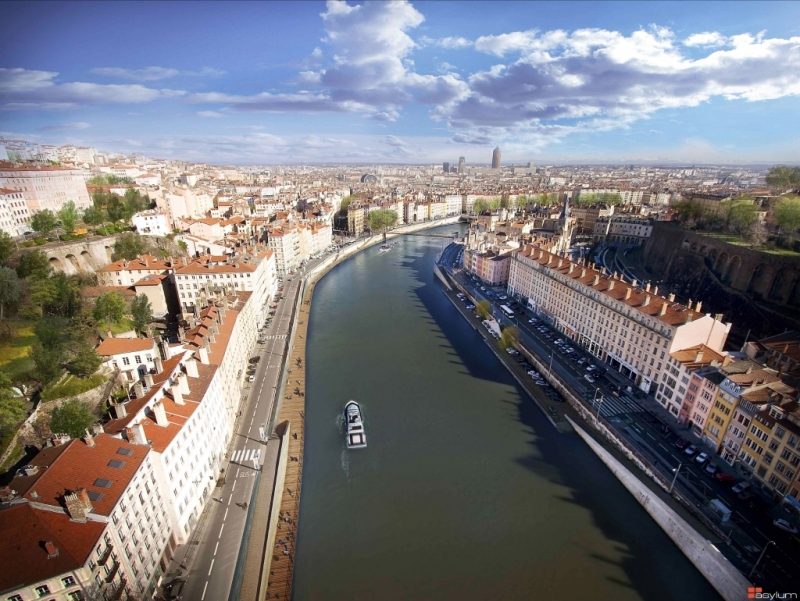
[650,435]
[211,568]
[220,530]
[229,502]
[741,516]
[233,487]
[216,547]
[761,533]
[225,517]
[663,447]
[205,586]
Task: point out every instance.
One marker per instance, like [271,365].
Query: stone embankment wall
[757,291]
[724,577]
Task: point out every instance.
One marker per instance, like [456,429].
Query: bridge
[79,256]
[449,237]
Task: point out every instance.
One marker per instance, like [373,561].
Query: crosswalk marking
[275,337]
[612,406]
[243,455]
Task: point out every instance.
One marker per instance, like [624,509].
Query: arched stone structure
[87,259]
[712,255]
[109,253]
[732,271]
[56,264]
[782,285]
[721,266]
[761,281]
[73,260]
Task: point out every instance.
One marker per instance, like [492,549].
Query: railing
[106,554]
[113,572]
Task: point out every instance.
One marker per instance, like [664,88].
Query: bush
[39,241]
[29,243]
[72,387]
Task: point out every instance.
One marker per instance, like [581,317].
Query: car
[701,458]
[591,368]
[743,485]
[554,413]
[691,450]
[582,360]
[176,590]
[531,321]
[503,297]
[746,495]
[588,378]
[483,288]
[255,359]
[784,525]
[724,477]
[711,469]
[681,444]
[470,306]
[251,379]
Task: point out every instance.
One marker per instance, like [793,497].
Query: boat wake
[345,461]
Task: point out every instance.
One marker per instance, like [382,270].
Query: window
[15,598]
[116,464]
[103,483]
[68,581]
[137,358]
[126,361]
[42,590]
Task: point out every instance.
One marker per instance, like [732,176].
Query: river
[465,490]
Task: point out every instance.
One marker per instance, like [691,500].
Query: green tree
[141,311]
[93,216]
[69,216]
[41,292]
[787,214]
[85,362]
[485,205]
[66,299]
[9,289]
[741,217]
[782,178]
[687,211]
[109,307]
[509,337]
[12,407]
[128,246]
[33,264]
[483,309]
[134,202]
[47,362]
[183,246]
[115,208]
[72,417]
[346,203]
[381,219]
[7,247]
[44,221]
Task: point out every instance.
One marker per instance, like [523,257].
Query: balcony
[113,572]
[106,554]
[120,589]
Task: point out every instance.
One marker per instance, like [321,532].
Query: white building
[14,214]
[155,222]
[623,229]
[285,242]
[133,357]
[46,187]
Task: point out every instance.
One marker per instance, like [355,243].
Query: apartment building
[490,266]
[586,216]
[85,519]
[453,204]
[47,187]
[356,218]
[132,357]
[152,223]
[14,213]
[127,273]
[628,326]
[623,229]
[284,241]
[703,389]
[678,371]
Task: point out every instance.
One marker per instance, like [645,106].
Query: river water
[465,490]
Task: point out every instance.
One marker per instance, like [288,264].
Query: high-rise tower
[496,157]
[461,164]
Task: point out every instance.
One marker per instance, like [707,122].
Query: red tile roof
[26,529]
[118,346]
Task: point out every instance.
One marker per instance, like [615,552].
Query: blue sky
[407,81]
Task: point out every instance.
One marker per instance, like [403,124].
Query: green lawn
[125,325]
[72,386]
[737,241]
[14,349]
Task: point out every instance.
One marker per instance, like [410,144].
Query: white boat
[356,438]
[385,248]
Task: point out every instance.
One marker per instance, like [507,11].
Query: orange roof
[697,356]
[153,279]
[118,346]
[22,554]
[82,466]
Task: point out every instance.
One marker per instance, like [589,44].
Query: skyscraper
[446,167]
[461,164]
[496,157]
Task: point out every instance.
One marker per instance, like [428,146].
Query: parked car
[724,477]
[701,458]
[554,413]
[176,590]
[711,469]
[681,443]
[690,450]
[255,359]
[784,525]
[581,361]
[251,379]
[588,378]
[743,485]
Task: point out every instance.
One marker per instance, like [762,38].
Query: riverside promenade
[268,563]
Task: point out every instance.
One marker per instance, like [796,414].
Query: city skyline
[407,82]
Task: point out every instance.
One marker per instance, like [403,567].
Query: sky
[407,82]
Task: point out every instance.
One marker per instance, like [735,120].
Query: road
[647,428]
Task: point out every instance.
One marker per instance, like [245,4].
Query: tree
[687,211]
[782,178]
[509,337]
[381,219]
[787,214]
[115,208]
[485,205]
[72,417]
[44,221]
[7,246]
[128,246]
[69,216]
[134,202]
[46,362]
[85,362]
[141,311]
[12,407]
[109,307]
[33,264]
[346,203]
[741,217]
[483,309]
[9,289]
[93,216]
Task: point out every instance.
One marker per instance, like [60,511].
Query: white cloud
[211,114]
[706,39]
[22,89]
[450,43]
[74,126]
[152,73]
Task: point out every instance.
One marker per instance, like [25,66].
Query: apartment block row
[629,327]
[99,516]
[295,243]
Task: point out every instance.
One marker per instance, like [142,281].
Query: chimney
[689,304]
[120,411]
[203,354]
[688,317]
[138,434]
[583,273]
[634,282]
[148,380]
[628,293]
[60,439]
[191,368]
[571,267]
[655,290]
[611,285]
[52,550]
[75,508]
[596,280]
[559,263]
[109,334]
[698,306]
[138,390]
[671,298]
[160,414]
[89,440]
[646,301]
[699,357]
[176,395]
[663,309]
[183,382]
[647,287]
[159,365]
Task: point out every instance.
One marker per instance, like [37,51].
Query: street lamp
[671,486]
[599,404]
[755,565]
